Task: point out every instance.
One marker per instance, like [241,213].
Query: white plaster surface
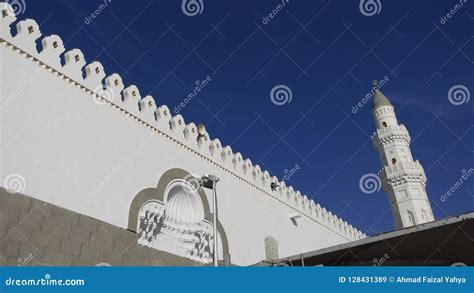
[93,156]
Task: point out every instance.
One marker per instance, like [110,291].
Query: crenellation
[273,180]
[51,52]
[147,108]
[319,212]
[73,63]
[190,135]
[346,228]
[282,189]
[247,169]
[215,148]
[305,205]
[312,209]
[324,216]
[113,87]
[27,33]
[203,143]
[297,200]
[340,225]
[6,19]
[227,155]
[237,161]
[94,75]
[162,119]
[290,195]
[130,98]
[177,127]
[266,180]
[352,232]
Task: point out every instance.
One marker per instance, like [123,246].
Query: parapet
[92,78]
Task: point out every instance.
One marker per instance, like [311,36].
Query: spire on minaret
[379,98]
[402,177]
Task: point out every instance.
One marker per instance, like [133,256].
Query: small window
[394,161]
[77,58]
[134,93]
[150,103]
[384,124]
[31,30]
[97,70]
[55,44]
[411,220]
[116,82]
[271,248]
[4,13]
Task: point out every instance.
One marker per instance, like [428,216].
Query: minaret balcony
[402,172]
[390,134]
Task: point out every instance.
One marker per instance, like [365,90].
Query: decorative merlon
[129,101]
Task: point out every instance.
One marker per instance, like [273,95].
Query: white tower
[403,179]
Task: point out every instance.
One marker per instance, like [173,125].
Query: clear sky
[326,53]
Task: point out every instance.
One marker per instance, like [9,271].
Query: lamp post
[210,182]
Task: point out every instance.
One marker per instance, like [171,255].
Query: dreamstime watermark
[289,173]
[458,95]
[445,18]
[466,174]
[90,18]
[18,6]
[370,183]
[380,261]
[22,262]
[192,7]
[110,173]
[199,86]
[104,96]
[44,281]
[14,183]
[267,18]
[280,95]
[370,7]
[369,96]
[22,85]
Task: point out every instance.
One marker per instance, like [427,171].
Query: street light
[210,182]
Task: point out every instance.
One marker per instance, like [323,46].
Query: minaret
[403,179]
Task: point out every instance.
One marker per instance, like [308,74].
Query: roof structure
[379,98]
[448,241]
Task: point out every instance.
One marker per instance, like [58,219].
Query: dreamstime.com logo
[199,86]
[370,183]
[14,183]
[370,7]
[280,95]
[105,96]
[465,176]
[90,18]
[458,95]
[45,281]
[192,7]
[18,6]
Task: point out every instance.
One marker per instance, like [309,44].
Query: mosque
[95,174]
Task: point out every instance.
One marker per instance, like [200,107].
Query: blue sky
[326,53]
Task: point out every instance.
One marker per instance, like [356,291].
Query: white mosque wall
[77,150]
